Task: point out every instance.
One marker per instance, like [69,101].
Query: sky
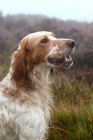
[80,10]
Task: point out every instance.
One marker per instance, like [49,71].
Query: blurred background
[73,88]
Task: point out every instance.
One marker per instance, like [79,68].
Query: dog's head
[41,48]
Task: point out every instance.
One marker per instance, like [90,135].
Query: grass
[73,114]
[72,123]
[4,64]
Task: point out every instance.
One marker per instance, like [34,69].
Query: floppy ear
[19,67]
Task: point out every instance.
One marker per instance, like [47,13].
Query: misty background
[79,10]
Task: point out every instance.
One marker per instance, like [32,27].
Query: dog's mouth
[61,62]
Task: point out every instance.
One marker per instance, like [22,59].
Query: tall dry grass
[73,113]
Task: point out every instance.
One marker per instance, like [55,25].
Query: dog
[26,100]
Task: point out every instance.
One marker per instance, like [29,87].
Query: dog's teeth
[65,58]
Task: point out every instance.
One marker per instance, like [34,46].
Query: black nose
[71,43]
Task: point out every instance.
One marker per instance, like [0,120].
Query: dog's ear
[19,67]
[23,63]
[19,64]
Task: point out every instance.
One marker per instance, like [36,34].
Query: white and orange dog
[25,96]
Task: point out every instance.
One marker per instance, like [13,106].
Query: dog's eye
[44,41]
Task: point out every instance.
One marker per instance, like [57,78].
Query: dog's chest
[26,116]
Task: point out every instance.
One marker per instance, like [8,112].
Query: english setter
[25,96]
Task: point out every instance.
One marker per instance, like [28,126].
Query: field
[73,113]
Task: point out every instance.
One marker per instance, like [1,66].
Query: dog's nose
[71,43]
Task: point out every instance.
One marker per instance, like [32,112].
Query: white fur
[28,121]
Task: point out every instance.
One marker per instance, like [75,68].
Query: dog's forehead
[41,34]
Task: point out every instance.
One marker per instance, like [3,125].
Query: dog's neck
[38,77]
[43,71]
